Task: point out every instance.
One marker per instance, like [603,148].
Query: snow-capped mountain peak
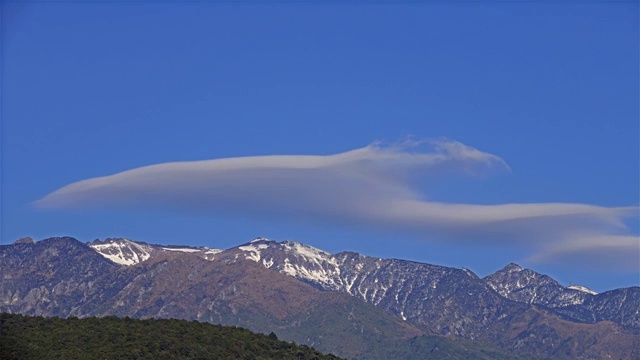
[301,261]
[260,248]
[122,251]
[260,239]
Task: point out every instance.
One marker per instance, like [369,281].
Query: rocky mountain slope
[576,303]
[349,304]
[417,292]
[63,277]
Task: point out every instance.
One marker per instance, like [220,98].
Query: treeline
[28,337]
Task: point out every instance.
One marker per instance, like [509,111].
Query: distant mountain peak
[260,239]
[528,286]
[512,267]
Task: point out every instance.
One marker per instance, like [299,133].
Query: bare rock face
[54,277]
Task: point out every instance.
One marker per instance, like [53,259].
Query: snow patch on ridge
[128,252]
[310,253]
[267,264]
[123,251]
[253,250]
[583,289]
[311,264]
[187,250]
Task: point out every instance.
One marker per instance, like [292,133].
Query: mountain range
[347,303]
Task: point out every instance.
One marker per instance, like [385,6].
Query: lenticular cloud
[369,187]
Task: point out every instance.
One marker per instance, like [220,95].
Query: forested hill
[27,337]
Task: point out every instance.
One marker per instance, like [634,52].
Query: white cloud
[368,187]
[600,251]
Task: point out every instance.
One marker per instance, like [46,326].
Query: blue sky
[94,89]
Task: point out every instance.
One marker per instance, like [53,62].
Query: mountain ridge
[196,249]
[325,271]
[239,293]
[432,298]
